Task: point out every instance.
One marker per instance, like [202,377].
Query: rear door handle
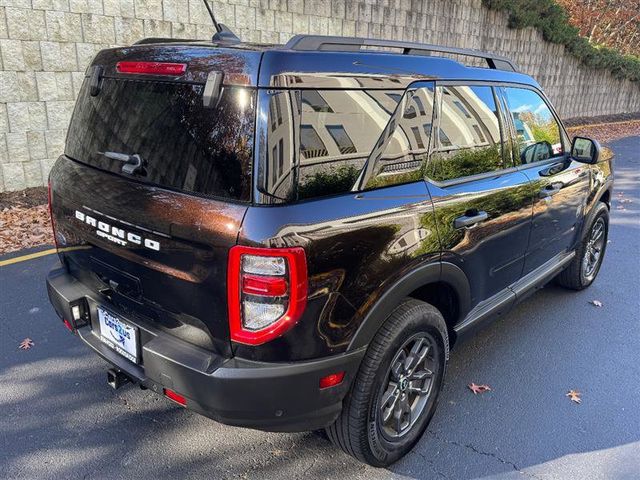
[468,219]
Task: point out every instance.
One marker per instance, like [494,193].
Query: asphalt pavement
[59,419]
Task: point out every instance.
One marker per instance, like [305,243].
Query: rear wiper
[132,163]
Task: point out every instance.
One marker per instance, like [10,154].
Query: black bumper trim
[265,396]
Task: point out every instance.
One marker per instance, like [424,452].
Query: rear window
[184,146]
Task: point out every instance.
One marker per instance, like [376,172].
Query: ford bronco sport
[293,237]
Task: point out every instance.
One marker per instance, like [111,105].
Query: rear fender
[396,293]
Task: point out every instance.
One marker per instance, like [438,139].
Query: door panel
[482,203]
[560,191]
[560,186]
[490,252]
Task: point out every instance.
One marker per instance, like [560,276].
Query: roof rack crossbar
[354,44]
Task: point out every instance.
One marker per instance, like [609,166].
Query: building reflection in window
[470,140]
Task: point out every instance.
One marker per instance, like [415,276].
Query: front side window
[537,131]
[469,137]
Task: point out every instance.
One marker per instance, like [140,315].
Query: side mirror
[585,150]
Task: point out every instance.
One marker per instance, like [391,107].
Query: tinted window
[537,130]
[403,148]
[184,145]
[469,138]
[338,130]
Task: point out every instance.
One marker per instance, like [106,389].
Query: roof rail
[354,44]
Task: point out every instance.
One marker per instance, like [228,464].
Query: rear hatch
[155,180]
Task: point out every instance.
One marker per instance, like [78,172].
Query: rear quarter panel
[357,245]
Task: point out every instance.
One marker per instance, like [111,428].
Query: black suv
[293,237]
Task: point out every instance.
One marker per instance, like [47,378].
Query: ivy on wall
[553,22]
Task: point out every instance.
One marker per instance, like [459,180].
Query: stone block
[47,86]
[265,20]
[295,6]
[4,118]
[18,87]
[245,17]
[13,176]
[59,114]
[183,30]
[98,29]
[55,142]
[37,145]
[300,23]
[127,8]
[96,7]
[76,79]
[4,33]
[32,174]
[58,57]
[37,116]
[65,86]
[63,27]
[318,25]
[45,168]
[32,56]
[12,55]
[25,24]
[17,148]
[4,154]
[198,14]
[79,6]
[111,8]
[284,22]
[178,11]
[128,30]
[157,28]
[18,116]
[321,8]
[86,51]
[149,9]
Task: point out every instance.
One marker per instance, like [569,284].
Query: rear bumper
[265,396]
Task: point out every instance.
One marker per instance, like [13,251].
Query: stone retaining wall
[45,46]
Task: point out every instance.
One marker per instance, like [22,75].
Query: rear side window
[402,151]
[184,146]
[338,131]
[537,131]
[470,135]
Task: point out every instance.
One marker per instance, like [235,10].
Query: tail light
[267,292]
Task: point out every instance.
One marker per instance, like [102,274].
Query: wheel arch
[421,283]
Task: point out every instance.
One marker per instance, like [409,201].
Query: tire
[360,429]
[576,276]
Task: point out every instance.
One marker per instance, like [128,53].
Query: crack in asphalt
[431,464]
[482,452]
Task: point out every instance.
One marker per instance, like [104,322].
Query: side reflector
[176,397]
[332,380]
[67,324]
[151,68]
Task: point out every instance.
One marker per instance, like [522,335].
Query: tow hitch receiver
[116,378]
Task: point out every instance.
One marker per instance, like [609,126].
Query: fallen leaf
[574,396]
[26,344]
[596,303]
[476,389]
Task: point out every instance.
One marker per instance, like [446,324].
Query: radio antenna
[213,17]
[223,34]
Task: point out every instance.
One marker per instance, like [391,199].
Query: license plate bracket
[119,335]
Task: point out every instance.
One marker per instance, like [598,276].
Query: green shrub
[553,22]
